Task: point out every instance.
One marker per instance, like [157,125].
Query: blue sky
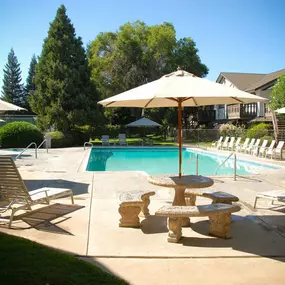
[232,36]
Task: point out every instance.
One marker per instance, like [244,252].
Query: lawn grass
[26,262]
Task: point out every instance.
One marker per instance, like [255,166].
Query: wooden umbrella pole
[180,134]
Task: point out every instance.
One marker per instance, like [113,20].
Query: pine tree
[13,90]
[30,84]
[64,96]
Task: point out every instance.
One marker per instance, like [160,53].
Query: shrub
[231,130]
[19,134]
[59,139]
[258,131]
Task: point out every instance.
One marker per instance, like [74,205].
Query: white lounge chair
[274,195]
[225,143]
[250,146]
[235,144]
[268,150]
[14,191]
[250,149]
[105,140]
[218,142]
[277,152]
[243,146]
[122,139]
[257,150]
[230,144]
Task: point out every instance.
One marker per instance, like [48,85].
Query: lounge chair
[250,146]
[105,140]
[243,146]
[235,144]
[277,152]
[122,139]
[225,143]
[257,150]
[14,191]
[250,149]
[268,150]
[230,145]
[218,142]
[274,195]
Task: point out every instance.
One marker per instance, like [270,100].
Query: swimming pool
[165,160]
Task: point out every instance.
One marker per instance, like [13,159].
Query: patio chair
[236,144]
[14,191]
[225,143]
[273,195]
[257,150]
[250,149]
[277,152]
[218,142]
[250,146]
[230,145]
[243,147]
[122,139]
[268,150]
[105,140]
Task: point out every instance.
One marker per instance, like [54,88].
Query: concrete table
[180,185]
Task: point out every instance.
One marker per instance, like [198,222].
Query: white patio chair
[225,143]
[122,139]
[230,144]
[255,146]
[257,150]
[218,142]
[243,147]
[277,152]
[250,146]
[105,140]
[268,150]
[235,145]
[273,195]
[14,191]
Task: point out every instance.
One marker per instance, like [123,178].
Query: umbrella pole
[180,134]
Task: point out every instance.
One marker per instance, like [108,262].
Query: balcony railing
[239,111]
[206,115]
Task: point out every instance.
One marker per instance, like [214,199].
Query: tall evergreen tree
[64,96]
[30,83]
[12,90]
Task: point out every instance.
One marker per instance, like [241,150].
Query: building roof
[241,80]
[265,80]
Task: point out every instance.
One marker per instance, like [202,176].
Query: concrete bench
[132,203]
[217,197]
[219,216]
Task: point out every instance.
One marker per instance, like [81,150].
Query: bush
[19,134]
[258,131]
[231,130]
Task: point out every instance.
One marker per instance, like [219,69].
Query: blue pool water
[165,160]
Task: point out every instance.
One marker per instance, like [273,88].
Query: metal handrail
[33,143]
[44,141]
[235,164]
[197,162]
[87,143]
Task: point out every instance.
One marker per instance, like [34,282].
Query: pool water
[165,160]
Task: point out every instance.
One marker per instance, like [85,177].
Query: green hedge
[73,138]
[19,134]
[258,131]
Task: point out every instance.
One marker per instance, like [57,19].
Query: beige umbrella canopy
[180,89]
[5,106]
[280,111]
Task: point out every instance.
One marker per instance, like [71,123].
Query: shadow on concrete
[77,188]
[154,225]
[40,219]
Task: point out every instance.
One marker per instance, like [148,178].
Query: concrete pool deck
[255,254]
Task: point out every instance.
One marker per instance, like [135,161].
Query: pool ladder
[87,143]
[235,164]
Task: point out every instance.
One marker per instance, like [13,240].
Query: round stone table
[180,185]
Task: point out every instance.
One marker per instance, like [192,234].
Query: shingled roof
[241,80]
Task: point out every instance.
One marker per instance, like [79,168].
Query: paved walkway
[142,256]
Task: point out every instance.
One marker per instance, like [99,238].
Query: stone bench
[132,203]
[219,216]
[217,197]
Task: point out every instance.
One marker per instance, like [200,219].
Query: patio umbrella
[143,122]
[5,106]
[280,111]
[180,89]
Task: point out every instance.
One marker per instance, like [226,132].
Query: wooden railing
[206,115]
[239,111]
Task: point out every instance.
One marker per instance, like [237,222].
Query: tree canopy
[64,95]
[30,82]
[277,99]
[12,90]
[137,54]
